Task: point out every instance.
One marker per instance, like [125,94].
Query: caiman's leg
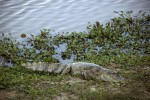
[91,73]
[66,70]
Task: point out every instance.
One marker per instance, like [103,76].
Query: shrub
[125,36]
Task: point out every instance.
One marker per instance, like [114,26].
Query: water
[30,16]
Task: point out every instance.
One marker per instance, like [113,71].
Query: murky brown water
[30,16]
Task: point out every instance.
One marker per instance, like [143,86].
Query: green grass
[27,84]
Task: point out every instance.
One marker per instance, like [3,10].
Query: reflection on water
[29,16]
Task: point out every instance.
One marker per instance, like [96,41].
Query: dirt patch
[65,96]
[137,83]
[2,95]
[73,80]
[70,80]
[5,95]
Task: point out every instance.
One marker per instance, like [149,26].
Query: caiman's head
[103,74]
[111,76]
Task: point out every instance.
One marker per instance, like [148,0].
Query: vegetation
[122,43]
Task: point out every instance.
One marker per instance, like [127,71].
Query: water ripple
[29,16]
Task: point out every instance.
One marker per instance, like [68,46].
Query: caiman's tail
[44,66]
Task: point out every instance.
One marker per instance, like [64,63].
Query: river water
[30,16]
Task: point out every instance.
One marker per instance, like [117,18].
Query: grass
[20,83]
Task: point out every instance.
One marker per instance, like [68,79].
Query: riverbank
[20,83]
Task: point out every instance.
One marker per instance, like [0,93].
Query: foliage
[9,49]
[124,32]
[125,37]
[34,48]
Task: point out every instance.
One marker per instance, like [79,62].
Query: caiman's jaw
[113,77]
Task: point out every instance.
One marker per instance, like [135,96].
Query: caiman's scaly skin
[87,70]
